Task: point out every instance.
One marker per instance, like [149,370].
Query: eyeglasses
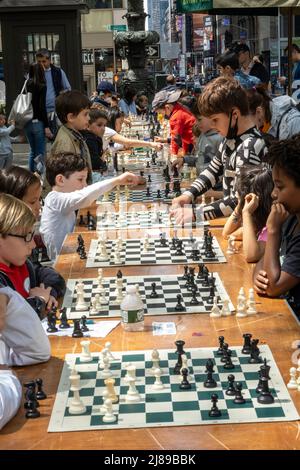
[27,238]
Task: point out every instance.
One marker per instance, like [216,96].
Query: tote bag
[22,110]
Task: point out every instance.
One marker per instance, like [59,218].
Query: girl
[248,220]
[127,104]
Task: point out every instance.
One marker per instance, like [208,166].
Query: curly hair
[285,154]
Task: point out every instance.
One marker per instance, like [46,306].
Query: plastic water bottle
[132,310]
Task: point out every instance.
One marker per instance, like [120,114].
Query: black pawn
[179,307]
[231,388]
[210,381]
[149,179]
[32,412]
[158,194]
[194,300]
[83,323]
[239,399]
[51,320]
[185,384]
[247,343]
[179,251]
[221,343]
[148,192]
[40,394]
[200,271]
[119,274]
[265,397]
[153,294]
[186,268]
[30,395]
[228,364]
[77,333]
[214,411]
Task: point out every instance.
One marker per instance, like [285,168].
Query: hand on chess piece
[178,163]
[181,201]
[44,294]
[156,145]
[183,215]
[127,178]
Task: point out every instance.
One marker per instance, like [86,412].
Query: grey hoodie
[285,121]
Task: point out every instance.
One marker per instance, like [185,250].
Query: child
[93,138]
[225,102]
[6,151]
[67,173]
[72,109]
[248,220]
[278,272]
[22,340]
[26,186]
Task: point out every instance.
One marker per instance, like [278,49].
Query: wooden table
[274,325]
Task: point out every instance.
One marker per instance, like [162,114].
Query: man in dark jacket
[57,82]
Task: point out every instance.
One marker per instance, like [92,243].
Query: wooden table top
[274,325]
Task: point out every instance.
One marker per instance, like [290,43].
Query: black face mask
[232,132]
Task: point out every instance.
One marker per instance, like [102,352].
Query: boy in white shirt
[67,175]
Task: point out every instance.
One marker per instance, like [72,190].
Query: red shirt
[181,122]
[19,276]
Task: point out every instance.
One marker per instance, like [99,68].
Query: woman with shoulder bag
[37,129]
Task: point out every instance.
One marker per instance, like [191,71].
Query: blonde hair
[15,216]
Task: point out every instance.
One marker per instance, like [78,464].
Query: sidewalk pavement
[21,152]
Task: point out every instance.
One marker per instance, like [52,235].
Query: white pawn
[99,287]
[103,252]
[241,309]
[292,385]
[85,354]
[158,385]
[155,360]
[215,311]
[231,245]
[103,300]
[145,245]
[251,310]
[109,416]
[117,257]
[80,303]
[106,371]
[105,395]
[132,394]
[225,312]
[95,304]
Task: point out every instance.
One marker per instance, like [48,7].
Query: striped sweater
[246,149]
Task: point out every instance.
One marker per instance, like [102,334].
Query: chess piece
[155,360]
[132,393]
[265,397]
[214,411]
[110,386]
[179,351]
[251,310]
[85,354]
[63,319]
[77,333]
[241,309]
[80,303]
[40,394]
[158,385]
[210,381]
[215,311]
[247,343]
[83,324]
[231,250]
[231,388]
[225,311]
[292,385]
[239,399]
[76,405]
[109,416]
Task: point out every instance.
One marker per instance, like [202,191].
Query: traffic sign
[153,51]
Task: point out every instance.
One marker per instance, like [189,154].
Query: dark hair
[63,164]
[129,94]
[43,52]
[257,180]
[240,47]
[228,59]
[37,74]
[170,80]
[72,101]
[114,114]
[16,181]
[285,154]
[257,96]
[294,46]
[221,95]
[97,114]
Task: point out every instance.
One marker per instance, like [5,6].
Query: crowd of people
[244,144]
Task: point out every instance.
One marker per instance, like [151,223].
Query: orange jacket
[181,123]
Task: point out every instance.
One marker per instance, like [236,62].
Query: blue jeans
[35,133]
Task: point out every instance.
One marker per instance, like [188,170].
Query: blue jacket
[5,140]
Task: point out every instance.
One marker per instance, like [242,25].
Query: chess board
[132,253]
[139,220]
[167,287]
[171,406]
[140,195]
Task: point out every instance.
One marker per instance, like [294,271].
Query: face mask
[232,131]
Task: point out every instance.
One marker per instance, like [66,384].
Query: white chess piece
[251,310]
[131,373]
[184,363]
[241,309]
[117,257]
[132,393]
[231,245]
[106,371]
[292,385]
[103,256]
[215,311]
[107,346]
[109,416]
[103,300]
[80,303]
[158,385]
[76,405]
[95,304]
[105,395]
[103,354]
[110,386]
[99,287]
[85,354]
[145,248]
[155,360]
[225,311]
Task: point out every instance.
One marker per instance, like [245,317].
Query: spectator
[249,66]
[127,103]
[228,66]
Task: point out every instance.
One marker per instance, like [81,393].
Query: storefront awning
[186,6]
[256,3]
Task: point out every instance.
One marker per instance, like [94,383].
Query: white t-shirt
[58,216]
[108,134]
[10,396]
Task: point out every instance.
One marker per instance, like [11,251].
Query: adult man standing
[248,66]
[56,81]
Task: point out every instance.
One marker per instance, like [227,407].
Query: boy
[22,340]
[278,272]
[72,109]
[67,174]
[6,151]
[93,138]
[225,102]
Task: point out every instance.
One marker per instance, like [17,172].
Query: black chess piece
[179,251]
[185,384]
[194,300]
[32,412]
[200,271]
[225,352]
[148,192]
[149,179]
[239,399]
[148,164]
[179,351]
[259,385]
[228,364]
[82,254]
[141,172]
[51,320]
[40,394]
[231,388]
[30,395]
[158,195]
[254,353]
[214,411]
[84,327]
[265,397]
[63,319]
[205,282]
[81,221]
[185,276]
[153,294]
[179,307]
[77,333]
[211,296]
[119,274]
[247,343]
[221,344]
[162,239]
[210,381]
